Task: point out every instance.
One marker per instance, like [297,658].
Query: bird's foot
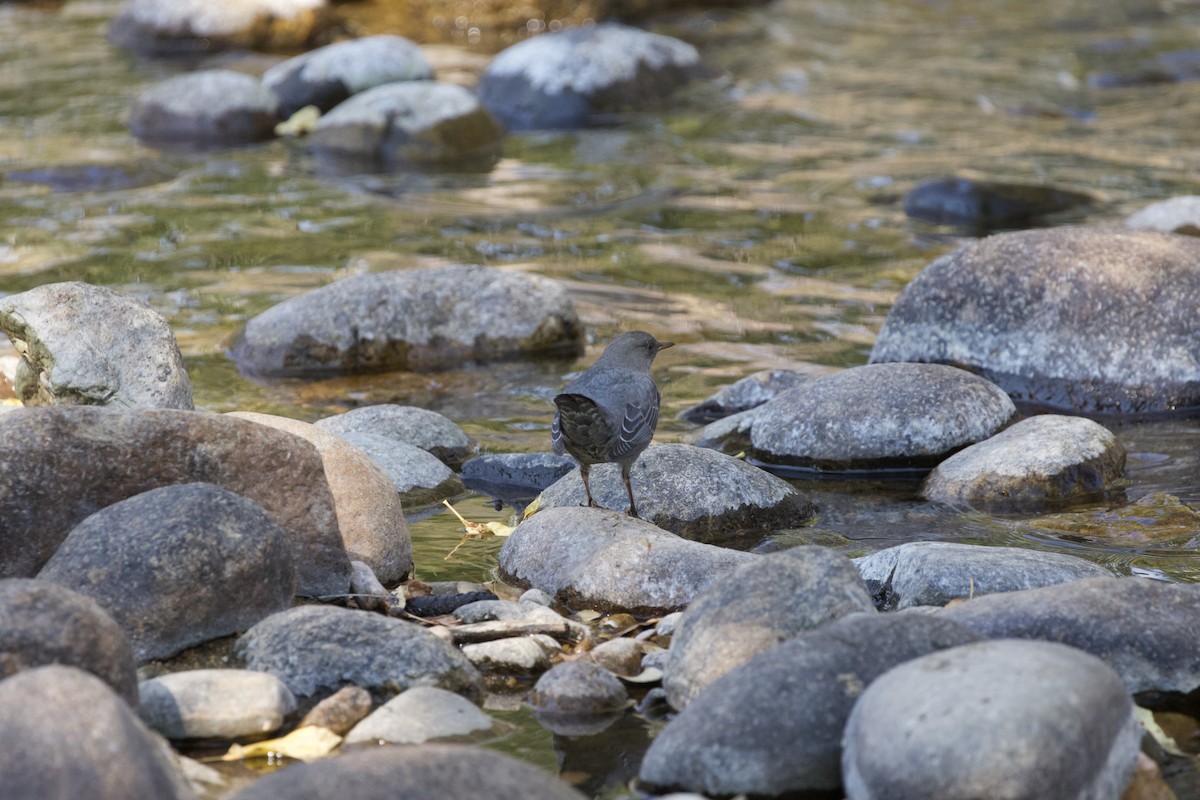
[633,513]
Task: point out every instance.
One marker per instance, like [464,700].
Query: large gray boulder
[1086,319]
[64,733]
[1146,630]
[774,725]
[753,608]
[369,511]
[934,573]
[178,565]
[59,465]
[564,79]
[696,493]
[88,345]
[1047,459]
[328,75]
[412,319]
[44,623]
[447,772]
[878,416]
[993,719]
[215,106]
[409,123]
[593,558]
[316,650]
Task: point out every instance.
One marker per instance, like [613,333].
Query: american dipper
[610,411]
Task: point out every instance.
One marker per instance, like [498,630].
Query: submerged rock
[878,416]
[993,719]
[182,27]
[988,205]
[696,493]
[749,392]
[1040,460]
[178,565]
[44,623]
[564,79]
[753,608]
[328,75]
[87,345]
[592,558]
[64,733]
[774,725]
[449,772]
[409,123]
[934,573]
[210,107]
[1087,319]
[1155,519]
[416,319]
[59,465]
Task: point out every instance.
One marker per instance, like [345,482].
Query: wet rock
[417,475]
[210,107]
[592,558]
[341,711]
[66,734]
[774,725]
[88,345]
[621,656]
[487,610]
[984,206]
[319,649]
[449,772]
[416,319]
[1089,319]
[934,573]
[1154,519]
[753,608]
[419,715]
[729,435]
[696,493]
[743,395]
[993,719]
[1145,630]
[412,425]
[44,623]
[328,75]
[182,27]
[578,688]
[905,416]
[512,656]
[409,123]
[565,79]
[59,465]
[92,177]
[513,476]
[1173,215]
[178,565]
[1044,459]
[436,605]
[369,513]
[214,703]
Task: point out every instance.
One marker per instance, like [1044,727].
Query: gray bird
[610,411]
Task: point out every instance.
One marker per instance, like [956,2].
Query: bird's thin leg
[583,472]
[629,489]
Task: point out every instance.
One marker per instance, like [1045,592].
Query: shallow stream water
[756,221]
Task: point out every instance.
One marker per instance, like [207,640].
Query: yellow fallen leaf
[476,530]
[304,744]
[302,123]
[532,508]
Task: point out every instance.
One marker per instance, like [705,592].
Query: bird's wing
[556,440]
[637,426]
[583,429]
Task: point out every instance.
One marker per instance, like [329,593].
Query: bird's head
[634,350]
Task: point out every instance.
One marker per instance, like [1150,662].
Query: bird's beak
[665,345]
